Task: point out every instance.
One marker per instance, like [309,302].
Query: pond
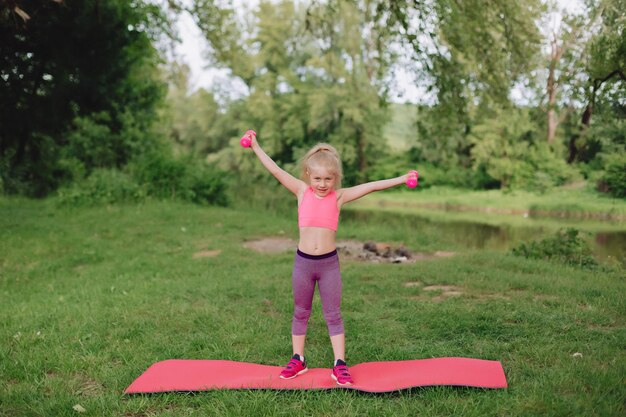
[607,244]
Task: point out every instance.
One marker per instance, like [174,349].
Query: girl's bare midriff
[316,240]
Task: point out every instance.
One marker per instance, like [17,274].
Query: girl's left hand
[411,179]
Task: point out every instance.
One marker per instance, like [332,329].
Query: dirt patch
[379,252]
[435,292]
[445,291]
[207,254]
[441,292]
[370,251]
[267,308]
[444,288]
[86,386]
[493,296]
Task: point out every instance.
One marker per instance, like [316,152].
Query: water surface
[607,245]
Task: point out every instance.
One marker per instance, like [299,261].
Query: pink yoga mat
[204,375]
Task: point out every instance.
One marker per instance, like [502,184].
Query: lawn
[90,297]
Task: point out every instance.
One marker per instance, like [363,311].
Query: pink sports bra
[318,212]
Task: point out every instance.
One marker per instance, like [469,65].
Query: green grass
[90,297]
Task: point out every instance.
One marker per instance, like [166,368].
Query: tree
[313,74]
[509,149]
[605,69]
[468,55]
[86,67]
[193,121]
[564,60]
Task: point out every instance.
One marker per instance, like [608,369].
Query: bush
[205,185]
[160,176]
[508,149]
[565,247]
[613,180]
[103,186]
[164,176]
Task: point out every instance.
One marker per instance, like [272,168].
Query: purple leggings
[325,270]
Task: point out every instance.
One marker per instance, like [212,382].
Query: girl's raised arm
[286,179]
[353,193]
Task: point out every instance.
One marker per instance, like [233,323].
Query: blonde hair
[322,155]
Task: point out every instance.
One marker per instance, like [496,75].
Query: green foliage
[97,97]
[614,176]
[324,84]
[509,149]
[193,122]
[565,247]
[205,184]
[606,49]
[103,186]
[479,41]
[475,59]
[166,177]
[389,165]
[89,144]
[588,64]
[156,175]
[607,133]
[401,129]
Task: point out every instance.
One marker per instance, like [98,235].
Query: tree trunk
[586,121]
[553,119]
[362,158]
[553,123]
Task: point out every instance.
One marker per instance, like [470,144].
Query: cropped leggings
[323,269]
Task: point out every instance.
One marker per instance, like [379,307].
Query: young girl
[320,198]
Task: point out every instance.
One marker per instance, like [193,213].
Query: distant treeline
[88,100]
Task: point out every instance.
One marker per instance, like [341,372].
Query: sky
[192,48]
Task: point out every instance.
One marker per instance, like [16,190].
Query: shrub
[614,177]
[164,176]
[160,176]
[103,186]
[205,185]
[508,149]
[566,247]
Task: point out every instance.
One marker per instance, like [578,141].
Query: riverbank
[562,203]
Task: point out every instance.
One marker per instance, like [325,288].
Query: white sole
[341,385]
[292,377]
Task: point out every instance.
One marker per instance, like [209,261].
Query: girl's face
[322,180]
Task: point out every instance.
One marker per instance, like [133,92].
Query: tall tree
[193,120]
[67,62]
[564,60]
[466,54]
[605,66]
[314,74]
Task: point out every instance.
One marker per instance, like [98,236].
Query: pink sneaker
[294,368]
[341,374]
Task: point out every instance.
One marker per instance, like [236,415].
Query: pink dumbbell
[246,139]
[411,182]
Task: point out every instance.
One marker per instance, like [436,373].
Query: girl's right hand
[253,142]
[248,139]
